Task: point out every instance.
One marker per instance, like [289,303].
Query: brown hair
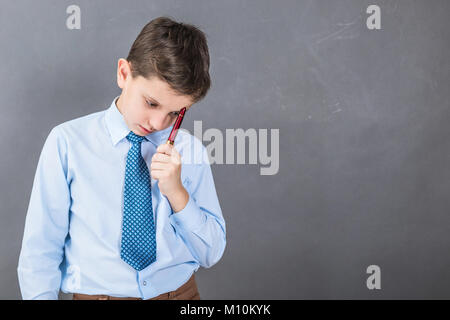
[174,52]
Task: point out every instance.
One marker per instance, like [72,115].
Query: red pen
[176,126]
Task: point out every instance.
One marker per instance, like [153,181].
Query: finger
[158,174]
[160,157]
[155,174]
[156,165]
[165,148]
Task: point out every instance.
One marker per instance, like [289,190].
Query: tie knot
[134,138]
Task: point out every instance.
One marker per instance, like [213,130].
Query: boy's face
[147,105]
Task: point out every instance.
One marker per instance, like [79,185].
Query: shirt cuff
[190,218]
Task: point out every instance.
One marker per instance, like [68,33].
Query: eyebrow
[149,97]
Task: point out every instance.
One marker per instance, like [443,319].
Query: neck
[118,104]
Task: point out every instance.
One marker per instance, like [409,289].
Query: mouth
[145,130]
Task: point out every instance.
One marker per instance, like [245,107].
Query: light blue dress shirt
[74,220]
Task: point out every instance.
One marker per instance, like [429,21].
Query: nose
[158,121]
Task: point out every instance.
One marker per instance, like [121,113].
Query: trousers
[187,291]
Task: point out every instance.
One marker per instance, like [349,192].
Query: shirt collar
[118,128]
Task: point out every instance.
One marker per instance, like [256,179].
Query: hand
[166,168]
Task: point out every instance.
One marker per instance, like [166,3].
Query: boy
[113,213]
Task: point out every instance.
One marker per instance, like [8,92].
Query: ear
[123,72]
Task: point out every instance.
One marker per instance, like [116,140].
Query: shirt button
[144,283]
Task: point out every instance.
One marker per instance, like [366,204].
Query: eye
[151,104]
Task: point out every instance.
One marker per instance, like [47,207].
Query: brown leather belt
[188,291]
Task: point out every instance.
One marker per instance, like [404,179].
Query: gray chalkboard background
[364,135]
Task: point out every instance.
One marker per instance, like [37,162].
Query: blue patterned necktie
[138,245]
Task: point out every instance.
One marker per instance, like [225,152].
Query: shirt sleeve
[200,223]
[46,223]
